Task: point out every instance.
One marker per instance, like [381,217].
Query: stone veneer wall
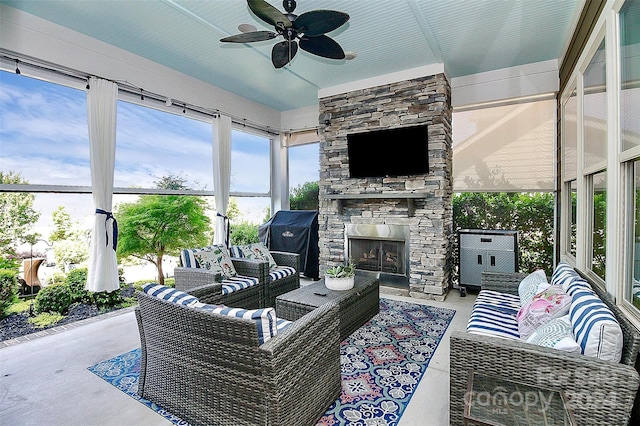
[425,100]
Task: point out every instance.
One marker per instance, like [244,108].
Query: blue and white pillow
[563,275]
[556,334]
[169,294]
[531,285]
[265,319]
[595,327]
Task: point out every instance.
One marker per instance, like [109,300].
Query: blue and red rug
[382,364]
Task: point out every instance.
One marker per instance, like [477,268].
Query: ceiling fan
[307,31]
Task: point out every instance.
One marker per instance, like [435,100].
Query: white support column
[279,174]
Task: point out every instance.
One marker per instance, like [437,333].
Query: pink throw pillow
[545,306]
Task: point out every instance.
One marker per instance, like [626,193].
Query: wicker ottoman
[357,306]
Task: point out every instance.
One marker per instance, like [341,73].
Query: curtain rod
[131,89]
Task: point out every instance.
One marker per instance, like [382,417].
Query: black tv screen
[391,152]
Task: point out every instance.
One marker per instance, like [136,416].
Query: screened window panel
[599,223]
[152,144]
[595,110]
[570,138]
[44,131]
[250,168]
[304,164]
[630,73]
[507,148]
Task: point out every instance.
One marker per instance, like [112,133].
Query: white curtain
[101,106]
[222,175]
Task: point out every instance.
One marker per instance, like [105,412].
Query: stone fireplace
[407,221]
[381,250]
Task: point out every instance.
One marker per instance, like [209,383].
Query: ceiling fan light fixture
[349,55]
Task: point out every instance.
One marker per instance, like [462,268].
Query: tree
[305,196]
[61,225]
[156,225]
[17,215]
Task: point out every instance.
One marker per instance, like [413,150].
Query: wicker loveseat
[598,391]
[211,369]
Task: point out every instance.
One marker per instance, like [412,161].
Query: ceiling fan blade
[318,22]
[246,28]
[268,13]
[250,37]
[322,46]
[283,52]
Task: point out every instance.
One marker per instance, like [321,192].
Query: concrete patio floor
[45,381]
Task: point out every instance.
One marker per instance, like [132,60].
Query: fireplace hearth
[381,250]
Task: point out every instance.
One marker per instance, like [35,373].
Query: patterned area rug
[382,364]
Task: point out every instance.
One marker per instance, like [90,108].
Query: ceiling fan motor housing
[289,5]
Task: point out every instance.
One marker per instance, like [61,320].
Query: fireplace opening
[376,255]
[382,250]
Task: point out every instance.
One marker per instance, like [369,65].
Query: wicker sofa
[211,369]
[599,392]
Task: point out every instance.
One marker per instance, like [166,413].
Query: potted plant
[340,277]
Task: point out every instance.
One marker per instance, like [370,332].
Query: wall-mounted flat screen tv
[402,151]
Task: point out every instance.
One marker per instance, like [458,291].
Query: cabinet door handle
[485,240]
[479,259]
[493,261]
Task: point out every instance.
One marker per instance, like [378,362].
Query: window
[304,164]
[573,216]
[153,144]
[570,137]
[250,156]
[633,291]
[595,145]
[630,74]
[599,224]
[44,131]
[629,19]
[595,110]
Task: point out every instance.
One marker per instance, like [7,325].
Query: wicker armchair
[210,369]
[600,392]
[276,287]
[191,279]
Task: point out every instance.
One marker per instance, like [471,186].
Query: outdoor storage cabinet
[486,250]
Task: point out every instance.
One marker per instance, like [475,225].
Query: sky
[44,137]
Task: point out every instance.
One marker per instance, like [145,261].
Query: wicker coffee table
[357,306]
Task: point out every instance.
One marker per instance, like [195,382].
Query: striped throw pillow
[595,327]
[563,275]
[265,319]
[169,294]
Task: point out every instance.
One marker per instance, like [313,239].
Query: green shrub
[54,298]
[531,214]
[77,281]
[8,289]
[102,299]
[45,319]
[243,233]
[9,261]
